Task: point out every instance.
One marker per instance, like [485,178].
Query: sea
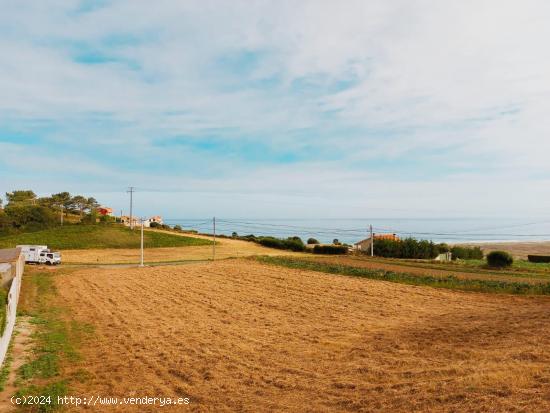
[351,230]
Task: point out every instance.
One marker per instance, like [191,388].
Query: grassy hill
[98,236]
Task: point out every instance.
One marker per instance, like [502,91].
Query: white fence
[11,308]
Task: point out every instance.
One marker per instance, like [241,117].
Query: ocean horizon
[351,230]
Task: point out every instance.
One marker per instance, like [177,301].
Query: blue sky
[280,109]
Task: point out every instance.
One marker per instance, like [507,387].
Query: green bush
[467,253]
[499,259]
[443,248]
[234,235]
[330,249]
[408,248]
[177,227]
[539,258]
[30,217]
[311,241]
[291,243]
[154,225]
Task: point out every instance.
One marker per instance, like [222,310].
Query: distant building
[157,219]
[105,211]
[137,221]
[364,245]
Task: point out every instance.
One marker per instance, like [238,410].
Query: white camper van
[40,254]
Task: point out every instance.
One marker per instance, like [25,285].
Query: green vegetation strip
[55,342]
[78,236]
[449,282]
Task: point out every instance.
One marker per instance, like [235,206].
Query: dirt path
[21,345]
[241,336]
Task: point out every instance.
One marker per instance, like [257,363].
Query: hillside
[98,236]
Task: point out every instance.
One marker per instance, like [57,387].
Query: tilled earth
[237,335]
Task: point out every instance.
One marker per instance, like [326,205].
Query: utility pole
[61,214]
[371,242]
[131,191]
[141,263]
[214,244]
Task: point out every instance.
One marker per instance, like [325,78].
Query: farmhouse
[105,211]
[364,245]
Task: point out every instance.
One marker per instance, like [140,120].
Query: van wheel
[48,263]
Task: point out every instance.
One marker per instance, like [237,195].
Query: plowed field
[237,335]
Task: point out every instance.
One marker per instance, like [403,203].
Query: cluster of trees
[414,249]
[407,248]
[24,210]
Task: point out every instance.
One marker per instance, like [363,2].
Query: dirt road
[237,335]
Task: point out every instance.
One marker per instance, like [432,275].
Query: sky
[280,109]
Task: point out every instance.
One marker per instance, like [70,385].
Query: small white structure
[445,257]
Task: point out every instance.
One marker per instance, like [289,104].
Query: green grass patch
[56,339]
[449,282]
[98,236]
[6,366]
[520,268]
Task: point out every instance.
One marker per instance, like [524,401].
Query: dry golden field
[237,335]
[225,248]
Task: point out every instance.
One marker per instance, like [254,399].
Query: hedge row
[330,249]
[538,258]
[407,248]
[291,243]
[467,253]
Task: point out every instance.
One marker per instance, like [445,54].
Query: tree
[312,241]
[91,204]
[21,196]
[80,203]
[335,241]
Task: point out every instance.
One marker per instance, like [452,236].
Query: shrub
[330,249]
[234,234]
[291,243]
[312,241]
[443,248]
[407,248]
[538,258]
[177,227]
[467,253]
[499,259]
[335,241]
[154,225]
